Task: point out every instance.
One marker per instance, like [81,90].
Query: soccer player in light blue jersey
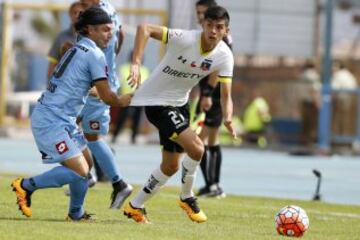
[53,120]
[95,117]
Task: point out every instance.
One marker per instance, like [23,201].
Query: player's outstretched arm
[143,33]
[109,97]
[227,107]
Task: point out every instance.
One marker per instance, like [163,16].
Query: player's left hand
[230,128]
[134,78]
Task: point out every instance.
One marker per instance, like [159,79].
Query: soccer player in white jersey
[190,56]
[95,117]
[53,121]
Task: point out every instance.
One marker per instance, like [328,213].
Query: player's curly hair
[91,16]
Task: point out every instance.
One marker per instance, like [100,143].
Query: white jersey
[182,67]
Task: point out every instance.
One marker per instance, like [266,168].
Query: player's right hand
[229,126]
[134,78]
[125,99]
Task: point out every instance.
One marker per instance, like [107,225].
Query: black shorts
[170,121]
[213,117]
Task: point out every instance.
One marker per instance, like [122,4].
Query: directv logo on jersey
[206,64]
[176,73]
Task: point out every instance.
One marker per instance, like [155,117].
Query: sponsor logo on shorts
[94,125]
[61,147]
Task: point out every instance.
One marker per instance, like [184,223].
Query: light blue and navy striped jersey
[76,73]
[109,51]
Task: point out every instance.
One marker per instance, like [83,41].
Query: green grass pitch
[235,217]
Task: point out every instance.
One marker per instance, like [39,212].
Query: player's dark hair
[217,13]
[207,3]
[91,16]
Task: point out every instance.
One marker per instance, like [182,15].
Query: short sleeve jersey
[182,67]
[76,73]
[109,51]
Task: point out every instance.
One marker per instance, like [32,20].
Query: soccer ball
[291,221]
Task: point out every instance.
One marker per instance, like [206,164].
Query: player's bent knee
[78,165]
[169,169]
[197,152]
[82,171]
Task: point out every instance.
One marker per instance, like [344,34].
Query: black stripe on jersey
[98,79]
[225,76]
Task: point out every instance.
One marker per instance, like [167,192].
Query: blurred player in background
[53,120]
[95,117]
[132,112]
[65,39]
[212,158]
[190,56]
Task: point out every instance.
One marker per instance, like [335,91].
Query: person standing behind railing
[342,79]
[310,101]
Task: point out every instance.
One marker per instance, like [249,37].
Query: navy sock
[215,163]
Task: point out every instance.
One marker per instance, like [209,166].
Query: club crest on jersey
[94,125]
[206,64]
[193,64]
[61,147]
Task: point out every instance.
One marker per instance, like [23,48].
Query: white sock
[156,180]
[188,174]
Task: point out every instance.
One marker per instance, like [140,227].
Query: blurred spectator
[342,79]
[310,102]
[132,112]
[64,39]
[256,118]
